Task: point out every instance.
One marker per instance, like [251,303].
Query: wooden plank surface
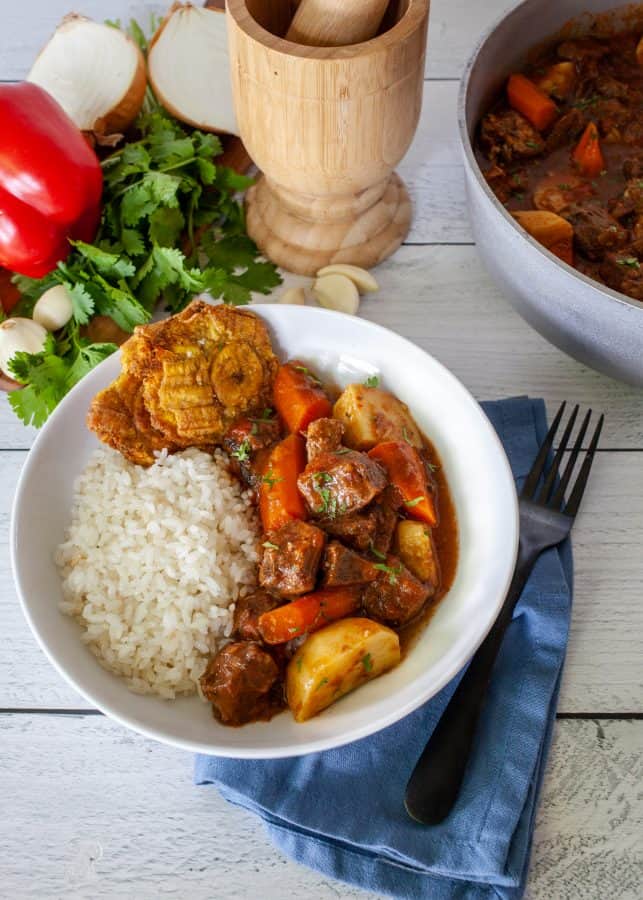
[602,673]
[127,814]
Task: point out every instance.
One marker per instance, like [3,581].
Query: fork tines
[552,493]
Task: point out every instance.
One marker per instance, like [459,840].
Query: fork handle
[435,782]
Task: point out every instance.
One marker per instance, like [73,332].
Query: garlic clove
[363,280]
[53,310]
[295,296]
[337,292]
[19,336]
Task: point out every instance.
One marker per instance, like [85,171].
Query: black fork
[546,519]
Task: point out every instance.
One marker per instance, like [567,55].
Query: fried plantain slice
[193,375]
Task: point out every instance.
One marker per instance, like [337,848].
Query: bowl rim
[597,287]
[385,719]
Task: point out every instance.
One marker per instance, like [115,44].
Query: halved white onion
[96,73]
[189,68]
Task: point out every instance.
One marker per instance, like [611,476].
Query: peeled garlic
[363,280]
[337,292]
[19,336]
[53,310]
[295,296]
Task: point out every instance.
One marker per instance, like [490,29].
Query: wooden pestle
[336,23]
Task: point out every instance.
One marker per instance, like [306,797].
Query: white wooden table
[91,810]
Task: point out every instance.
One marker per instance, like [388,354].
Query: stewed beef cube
[358,529]
[247,611]
[334,484]
[248,442]
[371,528]
[323,436]
[633,166]
[624,273]
[290,558]
[396,596]
[508,135]
[386,508]
[595,230]
[242,684]
[343,566]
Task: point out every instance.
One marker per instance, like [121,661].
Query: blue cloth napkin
[341,811]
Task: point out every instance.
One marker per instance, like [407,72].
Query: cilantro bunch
[171,227]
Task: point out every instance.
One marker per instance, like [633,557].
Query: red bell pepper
[50,181]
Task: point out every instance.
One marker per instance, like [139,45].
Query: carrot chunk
[299,397]
[279,497]
[408,473]
[534,104]
[588,155]
[307,614]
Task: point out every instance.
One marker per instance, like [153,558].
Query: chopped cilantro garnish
[376,552]
[631,262]
[391,571]
[269,545]
[367,662]
[270,479]
[533,145]
[242,453]
[414,502]
[372,381]
[306,371]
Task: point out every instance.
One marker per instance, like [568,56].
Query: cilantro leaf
[45,377]
[166,226]
[132,241]
[105,262]
[89,356]
[82,303]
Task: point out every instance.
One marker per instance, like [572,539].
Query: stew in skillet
[562,149]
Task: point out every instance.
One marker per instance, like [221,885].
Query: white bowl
[344,349]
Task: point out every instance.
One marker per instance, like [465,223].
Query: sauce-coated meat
[242,684]
[342,482]
[343,566]
[290,558]
[248,442]
[396,596]
[371,528]
[247,612]
[323,436]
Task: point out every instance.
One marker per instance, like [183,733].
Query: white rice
[153,562]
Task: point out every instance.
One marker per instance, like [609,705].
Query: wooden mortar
[327,126]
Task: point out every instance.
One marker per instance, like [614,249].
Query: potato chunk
[415,546]
[371,415]
[336,660]
[558,80]
[550,230]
